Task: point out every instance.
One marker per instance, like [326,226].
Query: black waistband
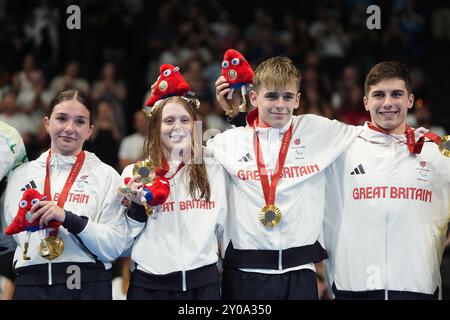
[380,295]
[173,281]
[271,259]
[37,275]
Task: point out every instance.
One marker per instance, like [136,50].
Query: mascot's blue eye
[225,64]
[235,61]
[166,73]
[34,201]
[23,203]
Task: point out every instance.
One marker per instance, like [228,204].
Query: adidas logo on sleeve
[248,157]
[358,170]
[31,185]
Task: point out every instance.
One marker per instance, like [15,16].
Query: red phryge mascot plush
[22,219]
[238,72]
[170,83]
[156,191]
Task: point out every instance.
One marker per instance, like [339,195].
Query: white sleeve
[220,147]
[6,159]
[107,237]
[134,229]
[333,137]
[12,150]
[221,184]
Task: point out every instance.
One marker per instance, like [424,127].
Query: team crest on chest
[80,184]
[423,170]
[298,148]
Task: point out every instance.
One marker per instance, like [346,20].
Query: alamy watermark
[74,20]
[374,20]
[74,278]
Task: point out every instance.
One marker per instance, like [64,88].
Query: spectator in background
[35,102]
[70,80]
[132,147]
[4,85]
[314,103]
[41,30]
[108,87]
[351,110]
[21,80]
[10,114]
[422,117]
[105,140]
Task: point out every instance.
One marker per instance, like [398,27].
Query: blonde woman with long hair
[174,249]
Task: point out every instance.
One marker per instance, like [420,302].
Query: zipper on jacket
[183,271]
[50,279]
[280,259]
[386,238]
[184,279]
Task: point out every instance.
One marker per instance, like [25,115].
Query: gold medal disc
[232,74]
[146,170]
[444,147]
[163,85]
[270,216]
[51,247]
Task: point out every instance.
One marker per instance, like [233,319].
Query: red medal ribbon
[269,191]
[413,146]
[166,168]
[68,184]
[416,148]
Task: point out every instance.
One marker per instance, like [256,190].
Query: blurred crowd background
[115,57]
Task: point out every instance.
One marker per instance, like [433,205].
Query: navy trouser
[208,292]
[201,284]
[380,295]
[94,282]
[293,285]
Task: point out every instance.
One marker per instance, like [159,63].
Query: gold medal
[51,247]
[444,147]
[232,74]
[270,216]
[146,170]
[163,85]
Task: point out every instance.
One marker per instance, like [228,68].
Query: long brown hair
[196,172]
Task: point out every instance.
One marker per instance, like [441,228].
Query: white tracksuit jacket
[180,235]
[316,142]
[13,154]
[386,215]
[94,195]
[12,149]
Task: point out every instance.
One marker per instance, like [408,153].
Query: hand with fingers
[231,107]
[46,211]
[31,206]
[135,189]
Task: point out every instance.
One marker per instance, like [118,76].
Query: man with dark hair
[387,200]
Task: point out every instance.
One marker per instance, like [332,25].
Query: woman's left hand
[47,211]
